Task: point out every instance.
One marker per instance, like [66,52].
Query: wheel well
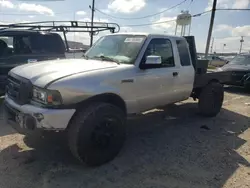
[108,98]
[197,91]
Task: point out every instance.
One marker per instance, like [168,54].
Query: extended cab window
[183,52]
[163,48]
[47,44]
[14,45]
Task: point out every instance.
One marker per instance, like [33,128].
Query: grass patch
[211,67]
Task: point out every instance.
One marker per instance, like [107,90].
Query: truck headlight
[47,97]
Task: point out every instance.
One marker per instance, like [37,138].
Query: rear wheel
[211,99]
[97,133]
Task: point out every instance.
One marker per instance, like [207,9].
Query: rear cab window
[31,44]
[47,43]
[184,55]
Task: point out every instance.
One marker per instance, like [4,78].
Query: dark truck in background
[239,67]
[18,47]
[30,42]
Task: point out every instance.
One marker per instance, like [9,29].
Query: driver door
[157,83]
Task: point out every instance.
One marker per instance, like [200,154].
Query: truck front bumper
[3,82]
[29,117]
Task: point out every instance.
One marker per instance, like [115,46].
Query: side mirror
[153,60]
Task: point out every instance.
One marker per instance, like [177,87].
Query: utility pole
[223,48]
[211,50]
[210,27]
[241,42]
[92,21]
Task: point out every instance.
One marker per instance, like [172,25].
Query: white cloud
[232,45]
[126,29]
[36,8]
[234,31]
[107,11]
[240,4]
[220,4]
[223,27]
[78,37]
[6,4]
[241,31]
[168,26]
[233,40]
[81,13]
[95,20]
[126,6]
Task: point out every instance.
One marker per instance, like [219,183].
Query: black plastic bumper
[10,117]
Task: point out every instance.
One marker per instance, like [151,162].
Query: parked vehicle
[22,43]
[216,61]
[120,75]
[19,47]
[240,68]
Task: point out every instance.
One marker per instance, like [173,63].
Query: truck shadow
[170,147]
[4,129]
[237,90]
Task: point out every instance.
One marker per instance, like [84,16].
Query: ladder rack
[64,27]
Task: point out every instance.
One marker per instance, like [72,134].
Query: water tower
[184,22]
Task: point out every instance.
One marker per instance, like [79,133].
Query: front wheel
[97,133]
[211,99]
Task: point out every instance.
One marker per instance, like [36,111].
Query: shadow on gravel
[4,129]
[171,147]
[237,90]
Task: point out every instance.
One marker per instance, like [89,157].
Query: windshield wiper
[106,58]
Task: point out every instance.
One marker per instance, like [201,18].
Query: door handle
[175,73]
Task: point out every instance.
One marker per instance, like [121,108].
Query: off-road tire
[82,128]
[211,99]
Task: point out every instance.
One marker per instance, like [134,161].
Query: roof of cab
[16,31]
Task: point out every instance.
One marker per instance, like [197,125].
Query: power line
[156,23]
[244,9]
[147,16]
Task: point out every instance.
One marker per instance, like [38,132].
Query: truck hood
[233,67]
[42,73]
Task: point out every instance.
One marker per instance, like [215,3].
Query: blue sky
[229,25]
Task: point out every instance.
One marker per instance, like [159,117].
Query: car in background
[228,58]
[216,61]
[239,67]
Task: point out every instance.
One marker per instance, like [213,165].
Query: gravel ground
[169,148]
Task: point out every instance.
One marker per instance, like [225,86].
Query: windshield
[119,48]
[240,59]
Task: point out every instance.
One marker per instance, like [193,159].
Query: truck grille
[19,89]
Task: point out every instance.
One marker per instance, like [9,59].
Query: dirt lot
[168,148]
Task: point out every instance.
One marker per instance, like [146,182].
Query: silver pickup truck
[90,98]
